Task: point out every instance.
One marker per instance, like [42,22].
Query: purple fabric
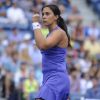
[56,83]
[55,88]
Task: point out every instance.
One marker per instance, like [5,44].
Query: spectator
[66,3]
[63,10]
[93,30]
[7,4]
[8,89]
[24,56]
[28,4]
[16,15]
[21,75]
[3,34]
[6,57]
[26,49]
[78,32]
[74,16]
[51,1]
[85,83]
[2,9]
[90,44]
[85,63]
[75,82]
[30,86]
[37,58]
[94,92]
[15,62]
[3,18]
[15,36]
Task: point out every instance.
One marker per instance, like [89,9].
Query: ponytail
[60,20]
[63,26]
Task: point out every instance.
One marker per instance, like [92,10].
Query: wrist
[36,25]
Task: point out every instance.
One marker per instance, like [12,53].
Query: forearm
[39,38]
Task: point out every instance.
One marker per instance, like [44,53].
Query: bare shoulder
[59,31]
[64,38]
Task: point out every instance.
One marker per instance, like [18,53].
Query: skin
[56,37]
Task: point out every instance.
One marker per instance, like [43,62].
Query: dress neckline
[54,28]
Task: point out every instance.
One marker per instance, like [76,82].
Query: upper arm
[53,39]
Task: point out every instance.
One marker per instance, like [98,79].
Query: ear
[56,17]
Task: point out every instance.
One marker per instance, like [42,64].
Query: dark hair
[60,20]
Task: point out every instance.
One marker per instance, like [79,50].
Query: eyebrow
[45,13]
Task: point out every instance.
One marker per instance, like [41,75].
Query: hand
[36,18]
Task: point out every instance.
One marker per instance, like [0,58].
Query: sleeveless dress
[56,85]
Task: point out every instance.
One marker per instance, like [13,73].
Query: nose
[44,16]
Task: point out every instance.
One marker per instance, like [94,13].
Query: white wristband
[36,25]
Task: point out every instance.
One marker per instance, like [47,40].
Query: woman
[53,48]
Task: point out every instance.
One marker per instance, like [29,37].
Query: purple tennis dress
[56,83]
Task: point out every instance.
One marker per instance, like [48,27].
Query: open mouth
[44,21]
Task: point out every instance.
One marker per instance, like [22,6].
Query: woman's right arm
[50,41]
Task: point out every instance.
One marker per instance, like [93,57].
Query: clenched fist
[35,18]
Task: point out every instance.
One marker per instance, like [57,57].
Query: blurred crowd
[95,5]
[20,59]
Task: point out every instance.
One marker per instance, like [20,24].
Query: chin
[46,24]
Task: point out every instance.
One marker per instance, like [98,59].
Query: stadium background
[20,59]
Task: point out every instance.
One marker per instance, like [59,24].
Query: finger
[36,15]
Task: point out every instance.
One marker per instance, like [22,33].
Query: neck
[52,27]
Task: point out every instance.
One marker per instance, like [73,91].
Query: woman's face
[48,16]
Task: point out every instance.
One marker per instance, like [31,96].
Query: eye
[42,14]
[46,13]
